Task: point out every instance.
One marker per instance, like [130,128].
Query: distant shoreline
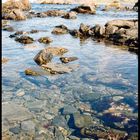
[98,2]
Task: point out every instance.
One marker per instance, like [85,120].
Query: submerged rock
[45,40]
[15,113]
[69,109]
[100,133]
[59,121]
[28,126]
[56,68]
[24,39]
[82,120]
[68,59]
[84,9]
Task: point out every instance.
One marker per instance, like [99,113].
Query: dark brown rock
[75,33]
[97,133]
[135,7]
[8,28]
[68,59]
[14,14]
[31,72]
[61,29]
[120,23]
[84,9]
[45,40]
[99,31]
[84,29]
[34,31]
[70,15]
[24,39]
[4,60]
[55,13]
[43,57]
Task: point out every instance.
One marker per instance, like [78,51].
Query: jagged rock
[67,59]
[70,15]
[121,23]
[75,33]
[19,4]
[84,9]
[61,29]
[24,39]
[84,29]
[97,133]
[43,57]
[14,14]
[45,40]
[98,31]
[56,50]
[55,13]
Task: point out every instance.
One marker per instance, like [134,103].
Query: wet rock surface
[45,40]
[4,60]
[15,14]
[61,29]
[84,9]
[24,39]
[8,28]
[70,15]
[118,32]
[68,59]
[55,13]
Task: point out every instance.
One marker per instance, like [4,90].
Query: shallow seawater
[105,71]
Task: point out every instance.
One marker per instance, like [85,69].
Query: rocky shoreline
[52,114]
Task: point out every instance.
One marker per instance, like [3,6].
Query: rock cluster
[45,56]
[118,32]
[14,10]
